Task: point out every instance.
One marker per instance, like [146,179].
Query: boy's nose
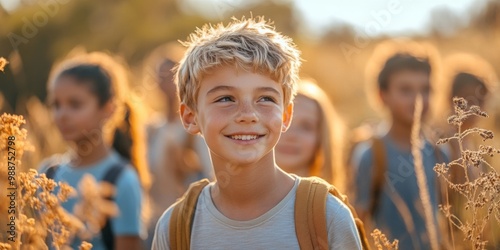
[247,113]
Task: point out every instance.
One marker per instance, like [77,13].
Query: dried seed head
[488,150]
[460,103]
[486,134]
[85,246]
[441,169]
[477,111]
[443,141]
[454,120]
[3,63]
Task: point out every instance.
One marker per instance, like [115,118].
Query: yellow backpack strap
[378,171]
[310,214]
[182,216]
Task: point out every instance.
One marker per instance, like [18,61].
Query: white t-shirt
[273,230]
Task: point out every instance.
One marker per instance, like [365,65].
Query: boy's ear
[287,117]
[188,118]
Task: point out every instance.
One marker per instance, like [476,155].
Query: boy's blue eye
[267,99]
[224,99]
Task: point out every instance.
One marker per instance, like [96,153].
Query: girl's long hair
[328,161]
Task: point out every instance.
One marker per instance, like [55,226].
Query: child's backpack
[310,214]
[111,176]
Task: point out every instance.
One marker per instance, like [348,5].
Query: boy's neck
[250,191]
[89,156]
[401,135]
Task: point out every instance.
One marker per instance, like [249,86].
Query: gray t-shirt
[273,230]
[399,213]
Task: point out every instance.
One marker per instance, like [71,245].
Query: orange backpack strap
[181,219]
[310,214]
[378,171]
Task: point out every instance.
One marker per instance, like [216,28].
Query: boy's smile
[240,114]
[245,138]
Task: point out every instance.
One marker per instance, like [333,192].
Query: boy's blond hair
[250,44]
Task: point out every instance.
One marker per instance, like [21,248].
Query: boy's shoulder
[338,218]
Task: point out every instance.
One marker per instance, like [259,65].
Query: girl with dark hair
[91,108]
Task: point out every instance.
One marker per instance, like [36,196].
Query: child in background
[387,191]
[92,109]
[176,158]
[236,84]
[471,77]
[312,146]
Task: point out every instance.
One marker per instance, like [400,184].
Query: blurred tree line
[37,33]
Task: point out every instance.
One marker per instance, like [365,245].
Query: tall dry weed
[481,191]
[416,150]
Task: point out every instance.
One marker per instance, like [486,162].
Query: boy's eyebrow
[219,88]
[271,89]
[225,87]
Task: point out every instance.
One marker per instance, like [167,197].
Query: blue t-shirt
[399,214]
[128,196]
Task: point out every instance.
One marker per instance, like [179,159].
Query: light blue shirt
[128,196]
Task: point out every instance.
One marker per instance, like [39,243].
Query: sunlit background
[336,38]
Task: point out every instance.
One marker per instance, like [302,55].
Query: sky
[372,17]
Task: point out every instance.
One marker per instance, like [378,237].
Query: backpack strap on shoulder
[310,214]
[113,173]
[378,172]
[111,177]
[51,171]
[181,219]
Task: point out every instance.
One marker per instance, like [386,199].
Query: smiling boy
[236,84]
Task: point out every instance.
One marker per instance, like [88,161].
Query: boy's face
[240,114]
[401,93]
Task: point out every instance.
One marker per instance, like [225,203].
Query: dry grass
[381,241]
[3,63]
[416,150]
[32,202]
[38,211]
[481,192]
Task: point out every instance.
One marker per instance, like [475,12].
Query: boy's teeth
[244,137]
